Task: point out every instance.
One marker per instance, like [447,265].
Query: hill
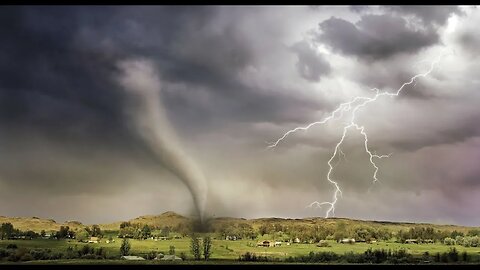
[38,224]
[173,219]
[169,218]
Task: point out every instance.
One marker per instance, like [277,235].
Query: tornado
[141,83]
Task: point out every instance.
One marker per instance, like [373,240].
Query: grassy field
[231,250]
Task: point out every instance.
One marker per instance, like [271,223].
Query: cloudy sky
[108,113]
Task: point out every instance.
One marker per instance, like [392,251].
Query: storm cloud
[234,79]
[375,37]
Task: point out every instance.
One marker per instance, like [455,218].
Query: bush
[449,241]
[39,254]
[26,257]
[56,255]
[89,256]
[323,243]
[12,246]
[459,240]
[464,256]
[453,255]
[252,257]
[171,250]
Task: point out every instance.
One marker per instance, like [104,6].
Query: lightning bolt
[353,106]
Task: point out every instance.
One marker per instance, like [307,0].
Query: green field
[231,250]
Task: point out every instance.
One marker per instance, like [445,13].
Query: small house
[296,240]
[93,240]
[231,237]
[278,243]
[347,241]
[411,241]
[266,243]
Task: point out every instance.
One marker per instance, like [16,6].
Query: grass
[231,250]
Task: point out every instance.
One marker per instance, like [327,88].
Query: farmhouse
[411,241]
[93,240]
[231,237]
[347,241]
[265,243]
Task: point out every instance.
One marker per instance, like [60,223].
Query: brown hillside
[38,224]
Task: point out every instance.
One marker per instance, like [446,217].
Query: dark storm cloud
[310,65]
[58,63]
[375,37]
[46,80]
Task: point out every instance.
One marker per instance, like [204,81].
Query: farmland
[169,234]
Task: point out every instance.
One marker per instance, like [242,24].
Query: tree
[64,232]
[171,251]
[454,234]
[31,234]
[96,231]
[43,233]
[165,231]
[125,224]
[125,247]
[263,229]
[247,231]
[6,230]
[341,231]
[473,232]
[195,247]
[146,231]
[207,247]
[82,235]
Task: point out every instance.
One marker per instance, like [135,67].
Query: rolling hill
[173,219]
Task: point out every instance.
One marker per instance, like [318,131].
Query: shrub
[464,256]
[453,255]
[323,243]
[4,253]
[12,246]
[449,241]
[252,257]
[151,255]
[171,250]
[101,252]
[56,255]
[39,254]
[26,257]
[89,256]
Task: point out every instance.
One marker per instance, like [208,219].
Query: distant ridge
[173,219]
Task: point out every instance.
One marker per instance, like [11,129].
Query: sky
[112,112]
